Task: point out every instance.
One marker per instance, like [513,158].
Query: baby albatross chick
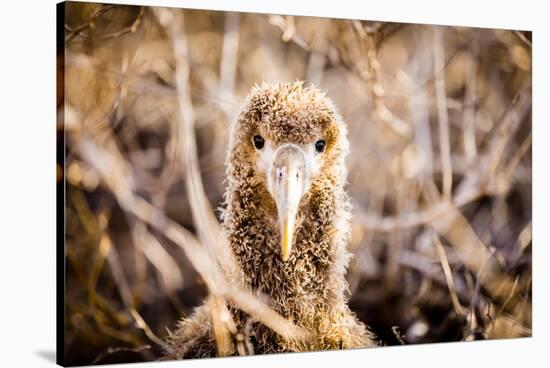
[286,218]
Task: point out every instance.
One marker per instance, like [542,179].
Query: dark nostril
[280,175]
[297,175]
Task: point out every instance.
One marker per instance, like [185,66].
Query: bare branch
[443,116]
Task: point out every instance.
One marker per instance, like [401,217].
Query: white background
[27,181]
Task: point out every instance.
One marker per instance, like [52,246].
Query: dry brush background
[439,123]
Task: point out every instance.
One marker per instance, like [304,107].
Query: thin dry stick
[97,267]
[140,264]
[317,59]
[443,116]
[469,129]
[503,306]
[112,350]
[397,333]
[223,326]
[522,150]
[418,106]
[244,345]
[523,39]
[130,29]
[289,32]
[158,257]
[525,236]
[448,274]
[125,292]
[228,63]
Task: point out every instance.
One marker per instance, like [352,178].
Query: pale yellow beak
[287,235]
[287,183]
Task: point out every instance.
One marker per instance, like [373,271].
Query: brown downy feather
[310,287]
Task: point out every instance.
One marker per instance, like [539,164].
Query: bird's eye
[258,142]
[320,146]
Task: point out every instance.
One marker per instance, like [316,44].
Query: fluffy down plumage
[310,287]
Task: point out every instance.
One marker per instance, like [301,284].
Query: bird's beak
[287,180]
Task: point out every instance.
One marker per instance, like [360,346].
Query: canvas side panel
[60,186]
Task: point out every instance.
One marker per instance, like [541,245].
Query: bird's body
[286,218]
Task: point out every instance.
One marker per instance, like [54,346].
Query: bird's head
[291,140]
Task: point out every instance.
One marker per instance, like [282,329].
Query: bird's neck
[313,277]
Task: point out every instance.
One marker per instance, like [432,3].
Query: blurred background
[439,123]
